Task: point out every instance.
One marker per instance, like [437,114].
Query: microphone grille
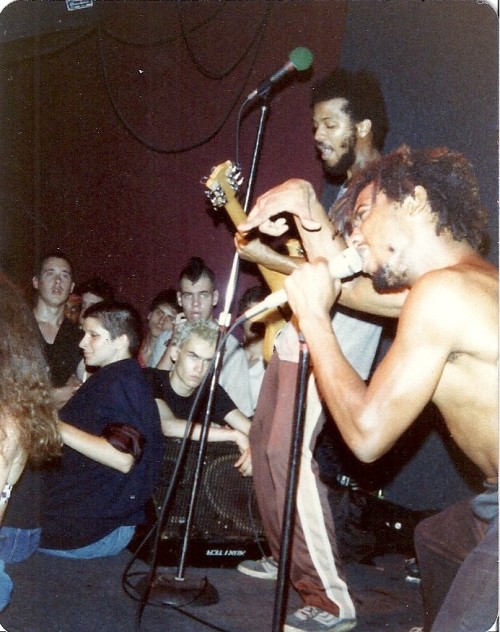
[352,259]
[301,58]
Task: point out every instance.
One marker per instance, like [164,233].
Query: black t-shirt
[63,355]
[159,380]
[82,499]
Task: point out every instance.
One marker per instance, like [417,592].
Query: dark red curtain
[110,127]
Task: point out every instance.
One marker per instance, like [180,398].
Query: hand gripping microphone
[347,263]
[299,59]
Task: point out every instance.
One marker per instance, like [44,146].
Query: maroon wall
[100,113]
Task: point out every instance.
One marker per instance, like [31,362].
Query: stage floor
[59,595]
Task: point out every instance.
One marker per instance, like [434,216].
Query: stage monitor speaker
[226,526]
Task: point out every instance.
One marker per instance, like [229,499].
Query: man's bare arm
[298,197]
[262,254]
[172,426]
[370,418]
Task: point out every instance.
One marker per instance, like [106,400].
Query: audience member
[197,296]
[73,308]
[54,283]
[161,318]
[250,366]
[28,422]
[93,291]
[113,444]
[418,224]
[192,351]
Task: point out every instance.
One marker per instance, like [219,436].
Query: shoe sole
[257,574]
[342,627]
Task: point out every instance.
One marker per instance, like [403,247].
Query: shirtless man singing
[418,224]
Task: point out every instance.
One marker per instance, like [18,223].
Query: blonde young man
[192,351]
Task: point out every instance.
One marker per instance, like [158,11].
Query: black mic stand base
[167,589]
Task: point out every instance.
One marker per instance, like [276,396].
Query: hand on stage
[294,196]
[311,290]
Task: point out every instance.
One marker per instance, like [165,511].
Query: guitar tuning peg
[216,196]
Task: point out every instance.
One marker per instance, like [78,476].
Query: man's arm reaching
[172,426]
[96,448]
[319,238]
[370,418]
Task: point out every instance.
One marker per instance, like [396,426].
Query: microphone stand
[264,113]
[177,590]
[291,488]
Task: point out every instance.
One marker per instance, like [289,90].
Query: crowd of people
[85,410]
[89,391]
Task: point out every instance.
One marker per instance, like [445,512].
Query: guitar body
[223,184]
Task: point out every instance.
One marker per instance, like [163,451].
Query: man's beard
[385,280]
[346,161]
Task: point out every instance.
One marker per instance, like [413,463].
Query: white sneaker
[312,619]
[265,568]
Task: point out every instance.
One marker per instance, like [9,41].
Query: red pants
[315,569]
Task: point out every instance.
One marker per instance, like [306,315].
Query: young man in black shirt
[192,351]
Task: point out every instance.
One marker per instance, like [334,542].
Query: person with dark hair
[73,308]
[161,318]
[93,291]
[193,348]
[95,497]
[417,224]
[53,282]
[28,425]
[363,99]
[349,128]
[197,296]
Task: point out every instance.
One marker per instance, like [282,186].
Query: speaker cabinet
[226,526]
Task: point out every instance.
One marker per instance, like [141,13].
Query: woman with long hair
[28,420]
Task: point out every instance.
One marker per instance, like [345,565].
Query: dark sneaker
[265,568]
[312,619]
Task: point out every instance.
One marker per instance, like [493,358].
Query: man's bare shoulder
[456,309]
[450,304]
[468,280]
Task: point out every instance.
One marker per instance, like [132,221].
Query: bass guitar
[222,187]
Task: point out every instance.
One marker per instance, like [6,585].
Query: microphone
[300,59]
[347,263]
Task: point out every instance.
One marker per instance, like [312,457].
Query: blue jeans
[111,544]
[16,545]
[5,587]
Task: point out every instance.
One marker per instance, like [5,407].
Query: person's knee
[5,587]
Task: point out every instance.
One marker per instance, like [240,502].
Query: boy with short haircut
[113,445]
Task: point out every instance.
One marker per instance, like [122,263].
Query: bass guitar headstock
[223,184]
